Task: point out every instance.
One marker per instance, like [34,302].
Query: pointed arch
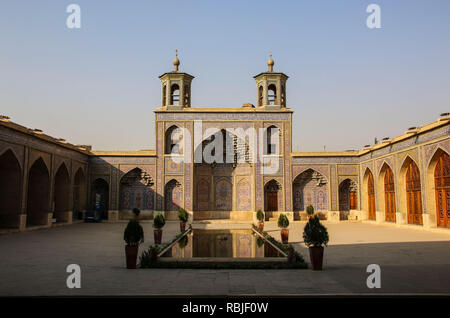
[100,196]
[10,190]
[272,94]
[175,95]
[272,140]
[61,202]
[38,193]
[310,187]
[136,191]
[438,189]
[79,194]
[386,192]
[410,196]
[272,193]
[173,194]
[260,95]
[368,194]
[347,197]
[14,153]
[173,138]
[47,167]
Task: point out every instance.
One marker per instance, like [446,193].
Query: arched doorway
[389,195]
[38,194]
[442,190]
[62,195]
[10,176]
[100,197]
[347,198]
[173,195]
[79,195]
[271,197]
[371,196]
[310,188]
[413,194]
[136,191]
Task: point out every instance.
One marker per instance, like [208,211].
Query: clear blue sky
[348,84]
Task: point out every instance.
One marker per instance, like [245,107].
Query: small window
[173,140]
[175,95]
[260,96]
[272,94]
[272,140]
[164,95]
[187,96]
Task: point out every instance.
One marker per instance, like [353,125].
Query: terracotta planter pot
[182,226]
[131,253]
[285,236]
[316,257]
[157,234]
[261,226]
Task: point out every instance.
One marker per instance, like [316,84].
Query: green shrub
[259,242]
[134,234]
[310,210]
[283,221]
[260,215]
[183,215]
[159,221]
[315,234]
[183,242]
[150,256]
[136,211]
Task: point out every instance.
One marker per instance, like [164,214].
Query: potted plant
[283,223]
[260,217]
[136,213]
[133,236]
[310,210]
[183,242]
[315,236]
[183,217]
[158,224]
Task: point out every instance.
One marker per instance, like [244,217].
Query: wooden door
[272,201]
[344,196]
[413,194]
[389,195]
[371,197]
[442,190]
[352,196]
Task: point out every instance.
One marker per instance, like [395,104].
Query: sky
[347,84]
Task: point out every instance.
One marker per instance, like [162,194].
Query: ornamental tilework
[223,193]
[298,169]
[347,169]
[243,195]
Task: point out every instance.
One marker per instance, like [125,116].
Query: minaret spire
[176,61]
[270,62]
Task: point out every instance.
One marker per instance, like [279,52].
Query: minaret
[176,87]
[271,87]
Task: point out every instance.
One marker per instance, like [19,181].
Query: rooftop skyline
[347,83]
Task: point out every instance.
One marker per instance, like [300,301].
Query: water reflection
[222,243]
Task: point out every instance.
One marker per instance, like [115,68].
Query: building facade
[250,166]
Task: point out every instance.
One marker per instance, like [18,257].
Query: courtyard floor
[412,262]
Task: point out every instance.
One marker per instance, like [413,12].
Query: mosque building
[46,181]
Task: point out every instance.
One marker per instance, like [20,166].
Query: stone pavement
[412,261]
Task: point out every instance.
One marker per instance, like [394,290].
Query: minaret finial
[270,62]
[176,61]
